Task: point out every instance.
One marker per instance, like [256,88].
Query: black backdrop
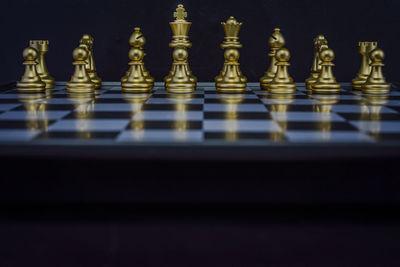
[111,22]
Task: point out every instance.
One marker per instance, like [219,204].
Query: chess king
[180,78]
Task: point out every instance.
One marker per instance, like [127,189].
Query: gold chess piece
[276,42]
[365,49]
[320,42]
[80,81]
[88,40]
[138,78]
[326,82]
[30,81]
[376,82]
[282,83]
[42,46]
[180,78]
[231,79]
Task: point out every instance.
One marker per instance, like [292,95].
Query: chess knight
[88,41]
[180,78]
[320,43]
[231,79]
[276,42]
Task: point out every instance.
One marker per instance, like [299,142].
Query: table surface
[204,119]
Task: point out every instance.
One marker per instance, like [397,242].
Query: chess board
[204,117]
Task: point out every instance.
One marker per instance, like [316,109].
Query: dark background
[100,212]
[63,22]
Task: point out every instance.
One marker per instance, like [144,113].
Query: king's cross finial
[180,13]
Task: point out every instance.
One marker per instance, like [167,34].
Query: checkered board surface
[203,117]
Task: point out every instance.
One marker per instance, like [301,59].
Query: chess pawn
[365,69]
[136,81]
[30,81]
[80,81]
[231,79]
[282,82]
[376,82]
[146,73]
[90,65]
[137,41]
[276,42]
[42,47]
[320,42]
[326,82]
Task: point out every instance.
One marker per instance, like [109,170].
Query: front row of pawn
[369,79]
[277,79]
[37,78]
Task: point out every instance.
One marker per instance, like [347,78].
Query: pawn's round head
[80,54]
[180,54]
[377,55]
[231,54]
[283,55]
[136,54]
[30,54]
[327,55]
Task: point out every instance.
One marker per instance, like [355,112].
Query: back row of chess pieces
[276,80]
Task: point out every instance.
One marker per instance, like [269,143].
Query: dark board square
[171,107]
[100,115]
[77,135]
[50,107]
[317,126]
[235,136]
[237,115]
[165,125]
[371,116]
[28,124]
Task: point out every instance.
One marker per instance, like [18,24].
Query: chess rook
[180,78]
[282,82]
[365,70]
[376,82]
[42,46]
[231,79]
[276,42]
[138,78]
[80,81]
[30,81]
